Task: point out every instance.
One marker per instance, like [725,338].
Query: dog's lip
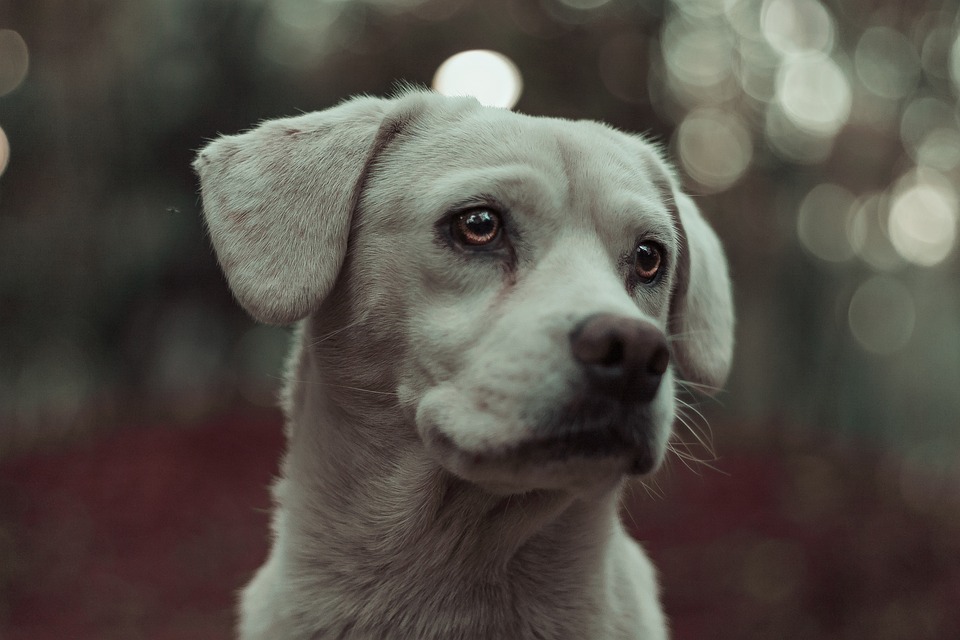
[574,445]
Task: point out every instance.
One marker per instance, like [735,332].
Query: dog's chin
[580,462]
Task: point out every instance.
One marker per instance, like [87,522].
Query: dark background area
[822,140]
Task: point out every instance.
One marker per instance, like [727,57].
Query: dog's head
[537,285]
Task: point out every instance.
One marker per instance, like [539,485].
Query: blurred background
[821,138]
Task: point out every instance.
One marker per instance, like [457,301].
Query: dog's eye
[647,261]
[477,227]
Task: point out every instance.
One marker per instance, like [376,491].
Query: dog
[493,314]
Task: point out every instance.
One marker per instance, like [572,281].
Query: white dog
[495,311]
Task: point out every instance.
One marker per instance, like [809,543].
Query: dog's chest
[481,610]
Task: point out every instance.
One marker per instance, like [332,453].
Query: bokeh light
[887,63]
[704,8]
[822,222]
[940,149]
[4,151]
[921,117]
[392,7]
[698,58]
[14,60]
[867,232]
[714,147]
[757,71]
[299,33]
[490,77]
[584,4]
[797,26]
[955,62]
[935,52]
[882,315]
[793,143]
[814,93]
[923,217]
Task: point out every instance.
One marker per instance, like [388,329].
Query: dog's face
[542,282]
[535,261]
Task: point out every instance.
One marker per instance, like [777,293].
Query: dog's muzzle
[609,417]
[622,362]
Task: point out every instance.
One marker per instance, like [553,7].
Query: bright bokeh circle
[490,77]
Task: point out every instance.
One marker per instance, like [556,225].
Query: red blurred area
[149,532]
[146,533]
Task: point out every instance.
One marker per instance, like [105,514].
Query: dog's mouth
[564,460]
[576,445]
[587,440]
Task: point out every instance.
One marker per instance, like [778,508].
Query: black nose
[621,356]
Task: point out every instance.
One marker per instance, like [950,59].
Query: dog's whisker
[629,512]
[705,435]
[690,394]
[689,466]
[685,460]
[331,385]
[706,447]
[652,491]
[687,457]
[360,389]
[691,407]
[680,336]
[654,486]
[683,449]
[350,325]
[697,385]
[687,446]
[701,440]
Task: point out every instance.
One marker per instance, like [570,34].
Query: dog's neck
[377,533]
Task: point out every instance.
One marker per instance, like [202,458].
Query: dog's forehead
[574,148]
[578,164]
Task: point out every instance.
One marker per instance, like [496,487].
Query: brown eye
[477,227]
[647,261]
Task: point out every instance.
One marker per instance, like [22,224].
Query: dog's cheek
[448,418]
[446,331]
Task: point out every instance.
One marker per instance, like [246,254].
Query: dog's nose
[621,356]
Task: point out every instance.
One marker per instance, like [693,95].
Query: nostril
[597,344]
[615,352]
[657,365]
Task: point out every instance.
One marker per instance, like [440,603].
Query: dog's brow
[517,186]
[640,211]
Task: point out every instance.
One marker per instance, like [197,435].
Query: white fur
[404,509]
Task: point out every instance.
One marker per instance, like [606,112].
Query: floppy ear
[701,309]
[278,202]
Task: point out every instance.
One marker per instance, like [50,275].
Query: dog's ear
[701,307]
[278,202]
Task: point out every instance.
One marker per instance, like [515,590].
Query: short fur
[413,500]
